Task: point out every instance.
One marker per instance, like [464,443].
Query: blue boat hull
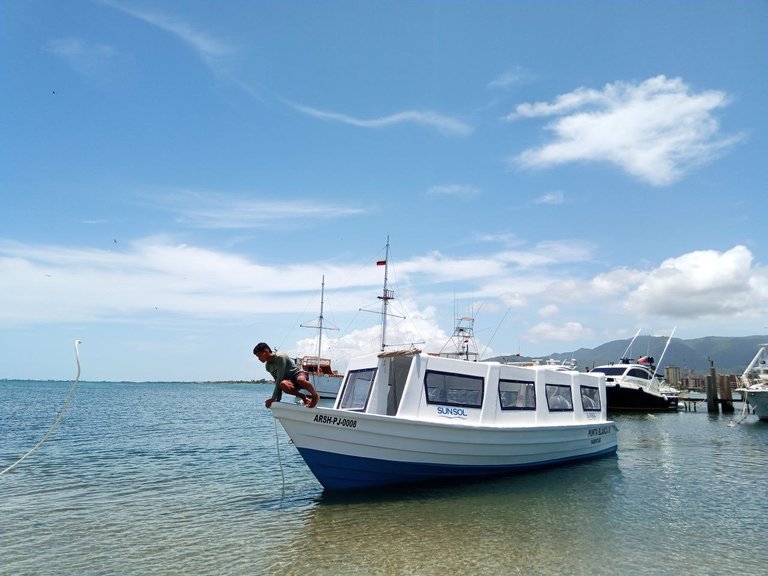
[343,472]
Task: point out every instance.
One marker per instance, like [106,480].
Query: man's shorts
[295,378]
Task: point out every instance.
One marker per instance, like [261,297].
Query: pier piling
[726,394]
[712,403]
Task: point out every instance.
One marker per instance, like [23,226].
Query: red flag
[381,263]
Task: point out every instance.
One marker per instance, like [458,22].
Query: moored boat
[321,374]
[406,416]
[755,383]
[633,385]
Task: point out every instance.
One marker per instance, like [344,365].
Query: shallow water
[170,478]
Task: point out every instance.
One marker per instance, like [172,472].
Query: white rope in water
[279,459]
[744,414]
[58,418]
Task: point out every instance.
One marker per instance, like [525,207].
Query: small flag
[381,263]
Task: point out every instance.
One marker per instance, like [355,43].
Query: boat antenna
[385,297]
[319,322]
[630,344]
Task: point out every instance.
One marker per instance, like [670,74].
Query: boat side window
[357,388]
[517,395]
[638,373]
[590,398]
[454,389]
[559,398]
[609,370]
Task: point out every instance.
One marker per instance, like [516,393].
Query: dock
[690,404]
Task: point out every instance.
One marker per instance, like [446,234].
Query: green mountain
[729,355]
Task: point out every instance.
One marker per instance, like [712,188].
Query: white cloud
[703,284]
[655,130]
[551,198]
[549,252]
[83,56]
[441,123]
[222,211]
[211,50]
[457,190]
[155,280]
[567,332]
[549,311]
[512,77]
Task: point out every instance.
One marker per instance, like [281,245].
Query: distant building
[672,375]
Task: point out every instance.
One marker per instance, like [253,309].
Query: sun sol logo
[451,412]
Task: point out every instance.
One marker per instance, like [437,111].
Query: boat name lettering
[336,421]
[447,411]
[601,431]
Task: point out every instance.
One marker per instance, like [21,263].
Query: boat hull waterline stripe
[341,472]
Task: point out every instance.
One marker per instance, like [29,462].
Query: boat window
[610,370]
[559,398]
[590,398]
[356,389]
[454,389]
[517,395]
[639,373]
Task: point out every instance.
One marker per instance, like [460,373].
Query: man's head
[262,351]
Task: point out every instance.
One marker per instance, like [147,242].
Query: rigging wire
[58,418]
[494,332]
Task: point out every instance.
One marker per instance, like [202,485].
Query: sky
[179,179]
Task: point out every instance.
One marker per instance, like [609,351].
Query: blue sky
[178,177]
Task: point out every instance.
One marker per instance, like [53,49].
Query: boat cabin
[640,375]
[315,364]
[414,385]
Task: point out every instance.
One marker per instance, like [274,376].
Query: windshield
[609,370]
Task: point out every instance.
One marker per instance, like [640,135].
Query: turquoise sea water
[179,478]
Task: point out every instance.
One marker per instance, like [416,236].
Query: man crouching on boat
[288,377]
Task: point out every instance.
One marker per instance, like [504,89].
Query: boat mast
[385,297]
[320,322]
[320,318]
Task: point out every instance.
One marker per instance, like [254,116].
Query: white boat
[634,385]
[321,374]
[406,416]
[755,381]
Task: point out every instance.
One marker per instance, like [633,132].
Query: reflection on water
[507,525]
[184,478]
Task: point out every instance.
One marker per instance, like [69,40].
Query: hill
[729,354]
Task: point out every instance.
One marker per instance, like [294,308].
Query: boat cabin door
[399,366]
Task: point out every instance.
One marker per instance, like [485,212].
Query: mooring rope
[744,414]
[58,418]
[279,458]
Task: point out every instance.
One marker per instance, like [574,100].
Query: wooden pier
[690,404]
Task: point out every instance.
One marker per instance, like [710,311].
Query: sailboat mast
[320,320]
